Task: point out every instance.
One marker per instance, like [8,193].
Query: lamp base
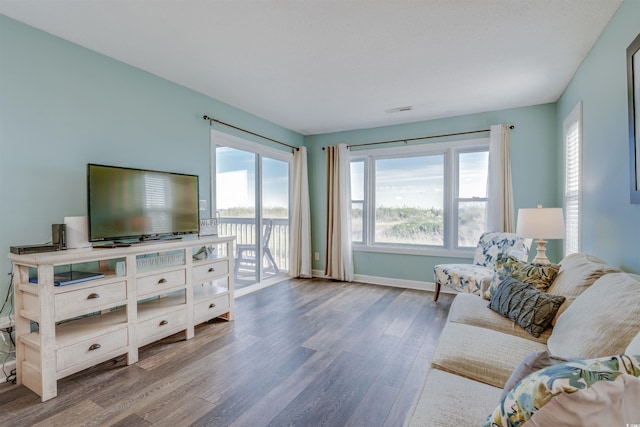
[541,256]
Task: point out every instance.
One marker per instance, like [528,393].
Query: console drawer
[89,299]
[210,271]
[208,309]
[162,281]
[161,326]
[89,349]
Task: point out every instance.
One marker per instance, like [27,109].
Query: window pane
[572,142]
[357,180]
[235,182]
[471,222]
[356,221]
[472,174]
[275,217]
[409,194]
[236,206]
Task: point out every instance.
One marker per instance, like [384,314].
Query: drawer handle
[211,270]
[161,281]
[94,347]
[212,305]
[93,296]
[163,322]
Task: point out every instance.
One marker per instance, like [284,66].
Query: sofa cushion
[438,404]
[471,310]
[601,382]
[479,353]
[531,363]
[463,277]
[530,308]
[602,321]
[577,272]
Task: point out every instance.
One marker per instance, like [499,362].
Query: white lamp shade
[541,223]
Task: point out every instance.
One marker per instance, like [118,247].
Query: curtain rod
[211,119]
[405,140]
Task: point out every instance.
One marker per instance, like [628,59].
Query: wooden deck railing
[245,230]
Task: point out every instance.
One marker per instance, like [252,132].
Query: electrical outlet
[203,205]
[316,256]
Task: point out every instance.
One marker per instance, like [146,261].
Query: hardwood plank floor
[300,353]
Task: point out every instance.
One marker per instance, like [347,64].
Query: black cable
[9,293]
[11,376]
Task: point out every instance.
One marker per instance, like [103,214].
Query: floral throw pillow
[502,271]
[541,387]
[540,276]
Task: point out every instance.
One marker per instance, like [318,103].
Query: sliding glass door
[252,203]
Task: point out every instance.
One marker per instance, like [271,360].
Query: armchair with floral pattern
[476,277]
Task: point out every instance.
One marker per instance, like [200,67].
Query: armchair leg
[436,291]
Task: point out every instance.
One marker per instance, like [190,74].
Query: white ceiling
[320,66]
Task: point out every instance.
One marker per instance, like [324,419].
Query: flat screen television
[126,204]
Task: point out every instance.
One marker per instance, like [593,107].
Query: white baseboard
[389,281]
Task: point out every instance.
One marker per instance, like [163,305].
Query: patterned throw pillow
[530,308]
[502,271]
[541,276]
[541,387]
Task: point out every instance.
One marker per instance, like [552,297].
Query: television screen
[126,203]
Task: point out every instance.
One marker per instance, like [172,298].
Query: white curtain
[500,215]
[339,261]
[300,217]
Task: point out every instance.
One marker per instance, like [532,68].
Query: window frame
[451,151]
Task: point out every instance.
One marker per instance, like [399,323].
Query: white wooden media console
[160,291]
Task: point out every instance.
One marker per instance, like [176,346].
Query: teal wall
[63,106]
[534,172]
[611,224]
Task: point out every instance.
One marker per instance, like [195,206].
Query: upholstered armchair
[475,278]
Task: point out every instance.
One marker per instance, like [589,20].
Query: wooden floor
[300,353]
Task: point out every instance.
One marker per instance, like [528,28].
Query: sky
[418,181]
[235,175]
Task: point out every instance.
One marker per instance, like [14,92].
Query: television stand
[162,290]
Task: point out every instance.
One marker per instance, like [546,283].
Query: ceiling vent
[399,109]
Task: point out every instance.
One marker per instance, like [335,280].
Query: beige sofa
[479,349]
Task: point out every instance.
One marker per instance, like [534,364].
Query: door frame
[233,141]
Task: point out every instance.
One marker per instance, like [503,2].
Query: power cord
[11,376]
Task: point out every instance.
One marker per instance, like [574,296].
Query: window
[420,198]
[572,136]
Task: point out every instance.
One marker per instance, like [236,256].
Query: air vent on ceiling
[399,109]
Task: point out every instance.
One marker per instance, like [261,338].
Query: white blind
[573,181]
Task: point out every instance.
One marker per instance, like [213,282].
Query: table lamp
[541,223]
